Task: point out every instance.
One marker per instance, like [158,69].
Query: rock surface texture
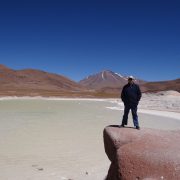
[145,154]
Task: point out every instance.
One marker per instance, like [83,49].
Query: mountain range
[31,82]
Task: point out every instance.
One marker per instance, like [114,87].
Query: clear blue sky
[76,38]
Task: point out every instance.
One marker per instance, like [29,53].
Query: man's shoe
[122,125]
[137,127]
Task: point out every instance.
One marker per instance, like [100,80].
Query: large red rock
[145,154]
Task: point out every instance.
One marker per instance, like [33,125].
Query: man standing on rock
[131,95]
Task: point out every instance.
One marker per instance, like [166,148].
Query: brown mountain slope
[146,87]
[161,86]
[35,82]
[105,79]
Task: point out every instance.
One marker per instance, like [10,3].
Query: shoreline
[53,98]
[160,112]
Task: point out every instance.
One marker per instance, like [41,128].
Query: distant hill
[161,86]
[106,79]
[35,82]
[149,87]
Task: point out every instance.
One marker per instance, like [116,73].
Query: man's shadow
[117,126]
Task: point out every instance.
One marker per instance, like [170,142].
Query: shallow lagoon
[43,139]
[48,139]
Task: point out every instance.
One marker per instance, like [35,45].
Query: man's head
[130,79]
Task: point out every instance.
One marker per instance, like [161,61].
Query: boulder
[145,154]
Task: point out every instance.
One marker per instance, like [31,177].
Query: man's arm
[139,94]
[122,95]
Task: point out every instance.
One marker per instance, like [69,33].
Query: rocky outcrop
[145,154]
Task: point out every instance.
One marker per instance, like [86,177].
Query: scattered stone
[40,169]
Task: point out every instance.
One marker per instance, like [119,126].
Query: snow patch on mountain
[103,75]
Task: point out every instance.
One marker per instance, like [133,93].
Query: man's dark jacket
[131,94]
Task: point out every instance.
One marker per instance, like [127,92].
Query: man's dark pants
[133,108]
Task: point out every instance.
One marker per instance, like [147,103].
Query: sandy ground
[61,138]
